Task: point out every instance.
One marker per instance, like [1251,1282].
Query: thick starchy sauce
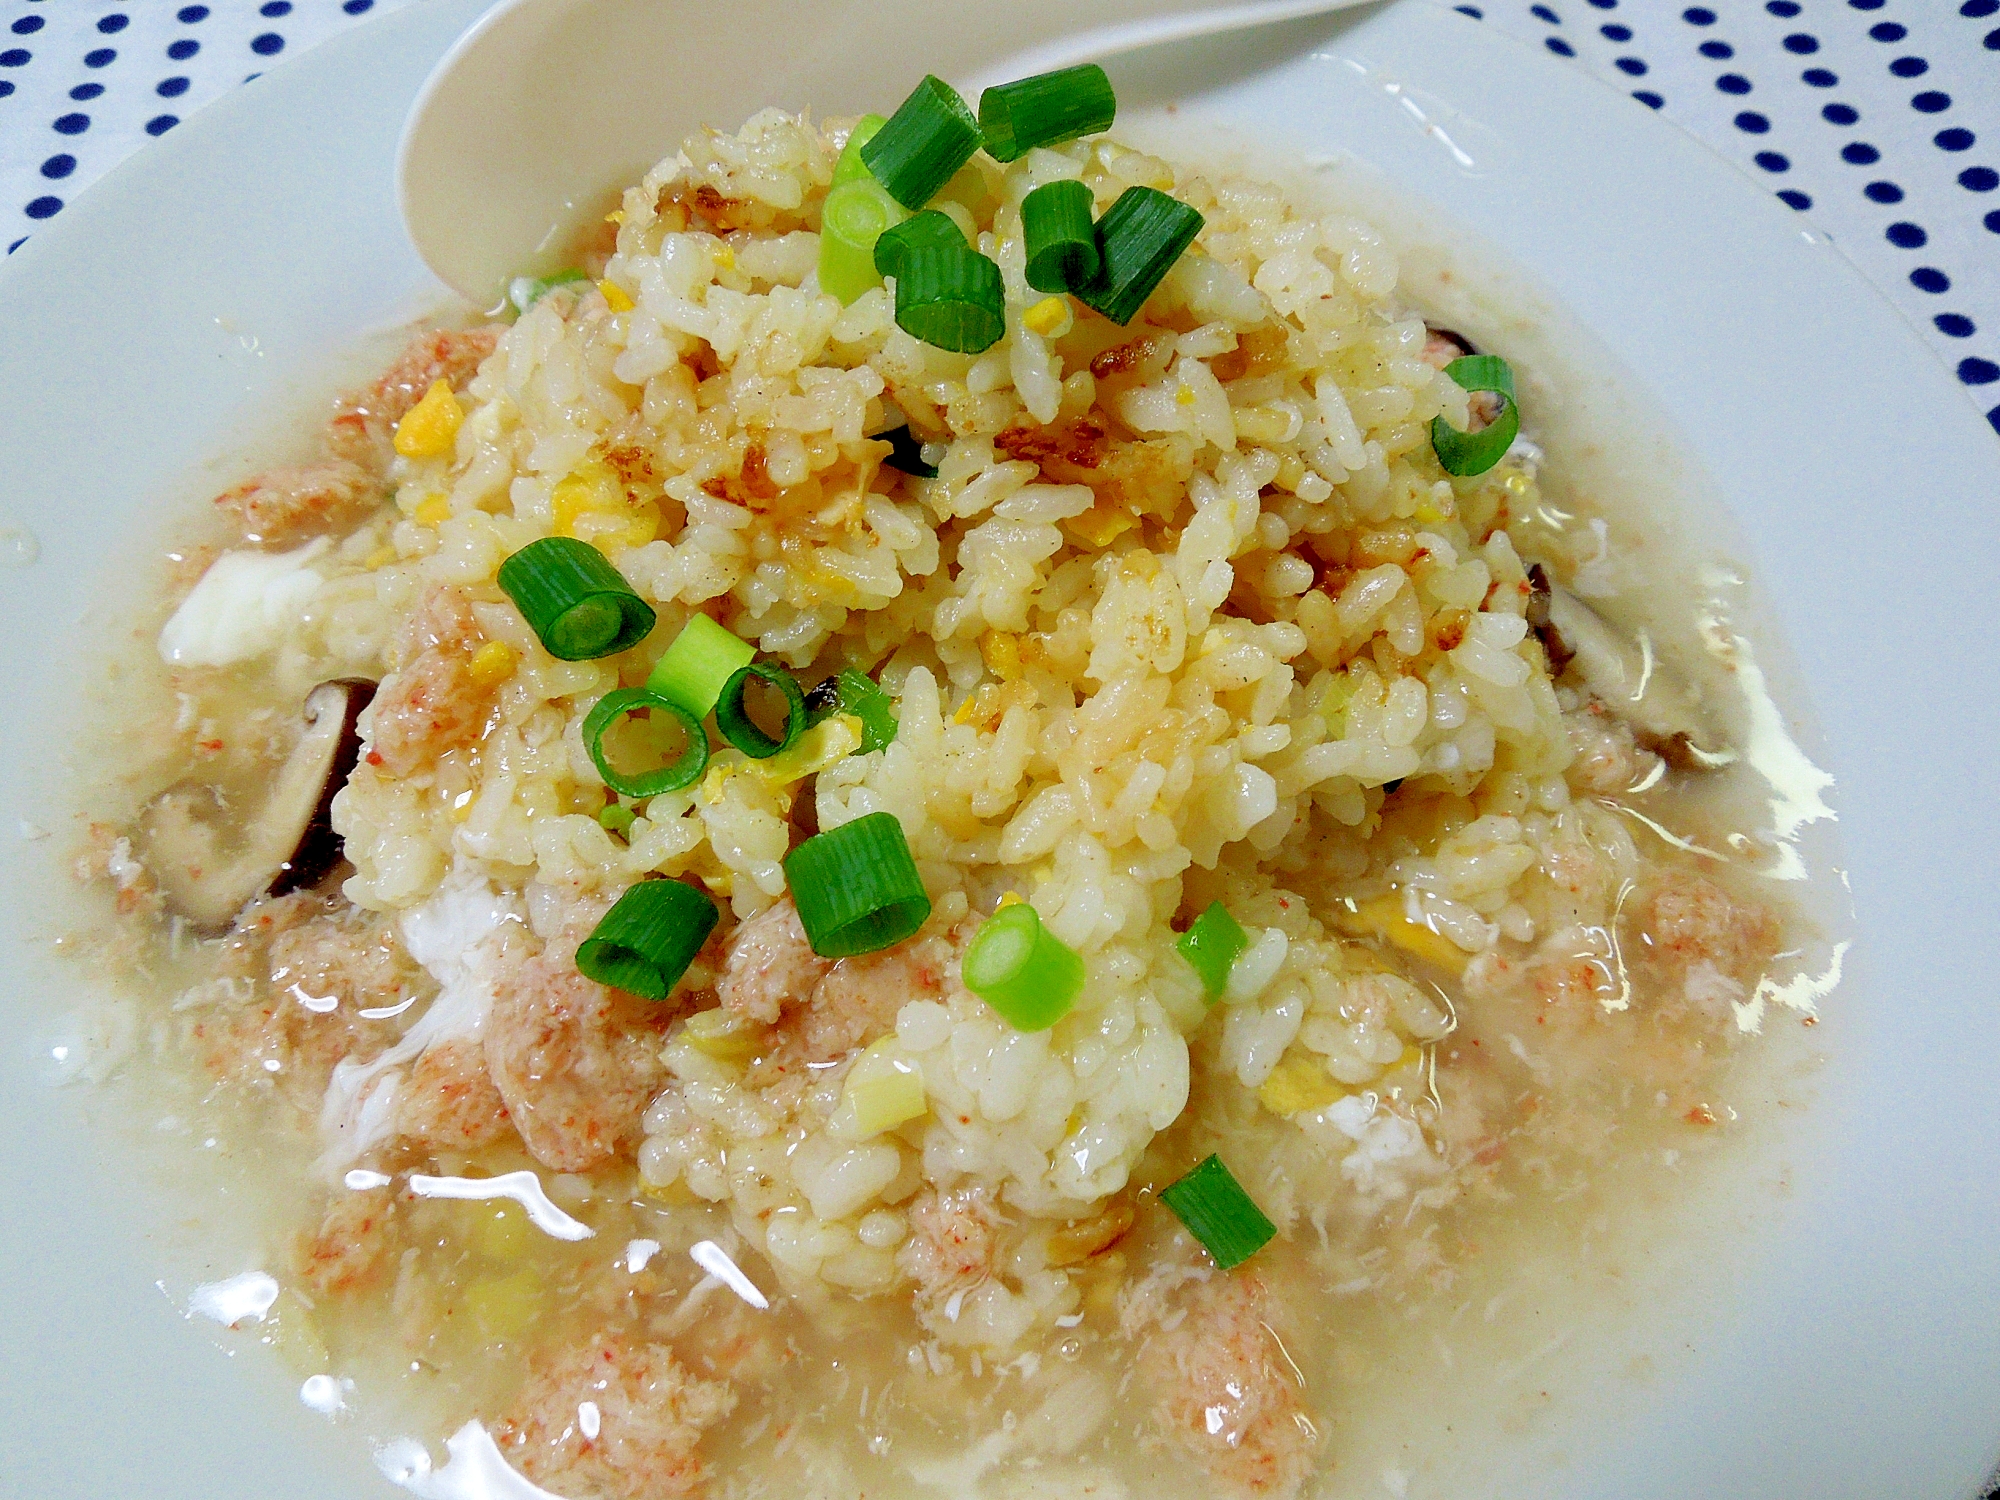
[1419,1070]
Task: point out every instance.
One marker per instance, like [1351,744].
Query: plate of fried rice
[1250,771]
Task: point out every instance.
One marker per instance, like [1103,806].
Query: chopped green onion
[1219,1213]
[734,721]
[1212,943]
[645,943]
[1045,110]
[930,229]
[525,291]
[906,452]
[1468,453]
[850,167]
[618,818]
[875,709]
[851,226]
[929,137]
[1140,237]
[1021,969]
[696,666]
[951,299]
[853,693]
[1062,244]
[684,770]
[578,605]
[856,887]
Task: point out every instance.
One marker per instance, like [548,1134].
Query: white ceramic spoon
[546,108]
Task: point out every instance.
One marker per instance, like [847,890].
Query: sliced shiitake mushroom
[1445,345]
[1540,592]
[213,853]
[1624,675]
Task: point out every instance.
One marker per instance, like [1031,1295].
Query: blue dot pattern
[1877,121]
[84,83]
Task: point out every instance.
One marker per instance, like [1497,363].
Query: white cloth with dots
[1877,120]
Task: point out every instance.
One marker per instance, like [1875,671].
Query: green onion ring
[694,668]
[930,136]
[578,605]
[856,887]
[1061,241]
[1045,110]
[684,771]
[951,299]
[872,705]
[1024,971]
[852,222]
[932,228]
[1469,453]
[850,167]
[736,725]
[645,943]
[1140,237]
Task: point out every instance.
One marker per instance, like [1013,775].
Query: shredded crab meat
[1232,1398]
[281,505]
[353,1247]
[649,1414]
[951,1245]
[364,423]
[770,965]
[434,702]
[576,1063]
[448,1103]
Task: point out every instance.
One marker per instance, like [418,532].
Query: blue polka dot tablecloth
[1877,120]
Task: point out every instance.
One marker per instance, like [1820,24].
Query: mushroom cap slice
[1626,676]
[213,854]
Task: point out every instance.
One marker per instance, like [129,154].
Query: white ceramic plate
[1856,1354]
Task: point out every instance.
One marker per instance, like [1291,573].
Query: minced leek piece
[1468,453]
[683,770]
[578,605]
[930,136]
[856,887]
[702,659]
[866,700]
[850,167]
[883,1090]
[852,222]
[1219,1213]
[1212,944]
[930,228]
[951,298]
[1045,110]
[1139,239]
[525,291]
[723,1035]
[1021,969]
[646,941]
[733,721]
[1062,242]
[888,1101]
